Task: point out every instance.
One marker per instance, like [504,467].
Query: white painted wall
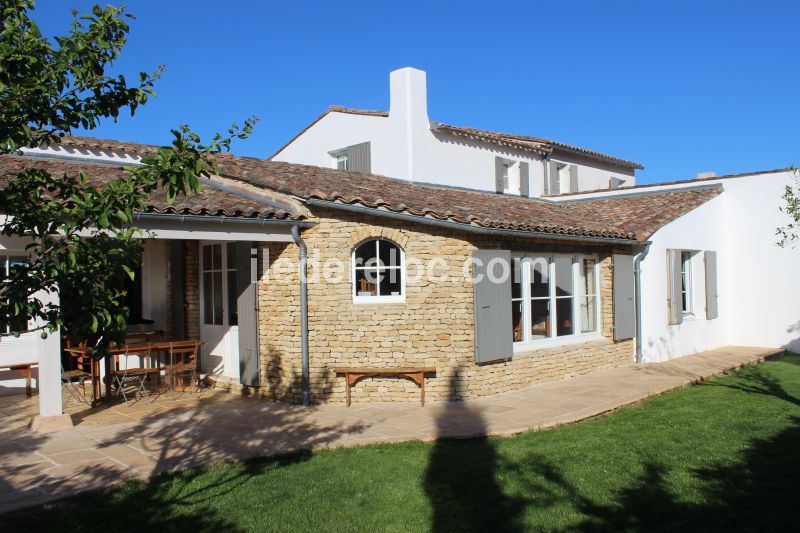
[758,281]
[765,283]
[700,230]
[404,146]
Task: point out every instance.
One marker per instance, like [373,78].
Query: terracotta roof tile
[210,201]
[525,142]
[633,217]
[108,145]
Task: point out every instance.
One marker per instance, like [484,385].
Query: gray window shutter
[492,294]
[623,294]
[674,300]
[555,186]
[712,310]
[177,289]
[248,315]
[524,180]
[573,178]
[499,182]
[358,158]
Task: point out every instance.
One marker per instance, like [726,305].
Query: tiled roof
[536,144]
[210,201]
[686,182]
[633,217]
[370,112]
[525,143]
[107,145]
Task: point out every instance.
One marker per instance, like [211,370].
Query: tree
[790,233]
[83,243]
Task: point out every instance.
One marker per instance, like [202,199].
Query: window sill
[524,347]
[378,300]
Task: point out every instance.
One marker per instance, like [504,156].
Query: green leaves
[82,244]
[789,234]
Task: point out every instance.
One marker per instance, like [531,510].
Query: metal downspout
[546,174]
[637,278]
[303,266]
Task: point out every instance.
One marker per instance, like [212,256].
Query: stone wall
[434,327]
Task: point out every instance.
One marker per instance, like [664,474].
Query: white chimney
[705,175]
[408,96]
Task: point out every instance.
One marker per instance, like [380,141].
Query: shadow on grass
[472,487]
[461,479]
[754,380]
[756,493]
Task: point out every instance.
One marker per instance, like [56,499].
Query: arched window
[378,272]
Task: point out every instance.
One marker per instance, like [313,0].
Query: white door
[219,320]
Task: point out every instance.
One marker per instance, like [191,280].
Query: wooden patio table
[84,353]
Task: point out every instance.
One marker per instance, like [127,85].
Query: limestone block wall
[434,327]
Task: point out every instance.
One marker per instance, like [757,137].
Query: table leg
[347,379]
[422,387]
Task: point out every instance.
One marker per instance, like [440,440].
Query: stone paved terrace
[157,434]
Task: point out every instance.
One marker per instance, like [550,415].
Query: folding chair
[183,363]
[124,374]
[68,378]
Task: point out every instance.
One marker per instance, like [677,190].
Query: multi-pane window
[341,161]
[686,282]
[8,263]
[554,296]
[378,271]
[219,284]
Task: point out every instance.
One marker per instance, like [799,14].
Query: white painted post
[50,376]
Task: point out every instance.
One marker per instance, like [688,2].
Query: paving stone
[109,444]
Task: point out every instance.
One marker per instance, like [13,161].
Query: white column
[50,375]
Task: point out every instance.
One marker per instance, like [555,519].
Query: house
[756,287]
[404,143]
[290,271]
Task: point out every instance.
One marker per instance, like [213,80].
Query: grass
[721,455]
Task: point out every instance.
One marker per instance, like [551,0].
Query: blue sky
[683,87]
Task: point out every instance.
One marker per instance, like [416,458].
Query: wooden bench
[417,375]
[25,371]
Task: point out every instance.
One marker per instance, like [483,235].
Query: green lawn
[722,455]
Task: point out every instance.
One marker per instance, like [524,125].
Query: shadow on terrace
[156,435]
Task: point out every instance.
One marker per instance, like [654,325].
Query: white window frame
[687,283]
[5,255]
[526,262]
[378,299]
[339,156]
[223,270]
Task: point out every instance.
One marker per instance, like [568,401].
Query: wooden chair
[365,287]
[72,379]
[183,357]
[123,374]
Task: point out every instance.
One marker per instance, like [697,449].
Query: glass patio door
[219,324]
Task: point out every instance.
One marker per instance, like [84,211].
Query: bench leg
[347,379]
[422,387]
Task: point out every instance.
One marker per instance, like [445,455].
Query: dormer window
[355,158]
[615,183]
[341,161]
